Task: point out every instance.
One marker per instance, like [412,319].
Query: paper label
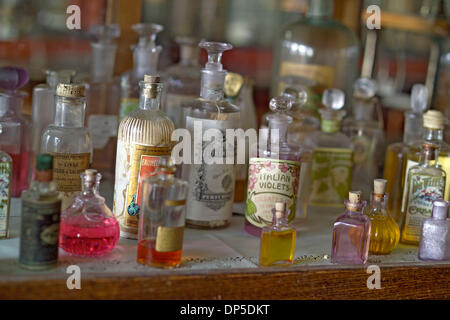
[409,165]
[269,181]
[127,105]
[5,196]
[331,175]
[169,239]
[102,127]
[173,107]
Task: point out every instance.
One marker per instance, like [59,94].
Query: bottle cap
[44,161]
[70,90]
[433,119]
[354,197]
[440,207]
[364,88]
[379,186]
[419,98]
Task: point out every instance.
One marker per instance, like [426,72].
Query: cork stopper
[280,208]
[379,186]
[433,119]
[90,175]
[354,197]
[70,90]
[152,79]
[151,86]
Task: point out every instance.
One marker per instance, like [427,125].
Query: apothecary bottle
[162,218]
[88,227]
[210,199]
[68,141]
[6,168]
[144,136]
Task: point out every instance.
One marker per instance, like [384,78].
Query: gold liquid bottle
[385,232]
[144,136]
[277,241]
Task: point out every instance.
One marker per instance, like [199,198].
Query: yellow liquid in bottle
[384,234]
[277,247]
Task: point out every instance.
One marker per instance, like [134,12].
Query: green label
[330,126]
[127,105]
[331,176]
[269,181]
[5,196]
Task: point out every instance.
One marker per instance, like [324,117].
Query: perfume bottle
[5,192]
[14,129]
[88,227]
[425,183]
[318,48]
[145,61]
[435,236]
[365,130]
[395,161]
[41,211]
[162,219]
[351,233]
[209,201]
[43,108]
[274,173]
[144,136]
[103,98]
[182,80]
[385,232]
[332,154]
[68,141]
[277,245]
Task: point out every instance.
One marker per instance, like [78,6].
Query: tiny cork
[280,206]
[70,90]
[90,174]
[354,196]
[152,79]
[379,186]
[433,119]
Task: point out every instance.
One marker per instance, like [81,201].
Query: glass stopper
[215,51]
[147,33]
[298,95]
[104,33]
[419,98]
[281,104]
[13,78]
[333,99]
[365,88]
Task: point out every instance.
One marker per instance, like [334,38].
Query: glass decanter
[14,129]
[385,232]
[5,192]
[435,236]
[351,233]
[145,61]
[162,218]
[277,245]
[88,227]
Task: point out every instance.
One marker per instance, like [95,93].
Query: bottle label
[173,107]
[269,181]
[102,127]
[39,233]
[5,196]
[331,176]
[409,165]
[422,191]
[169,239]
[127,105]
[364,149]
[135,162]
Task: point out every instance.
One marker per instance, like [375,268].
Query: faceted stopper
[104,33]
[419,98]
[379,186]
[44,162]
[434,119]
[281,104]
[365,88]
[13,78]
[440,207]
[70,90]
[298,95]
[354,197]
[215,51]
[147,32]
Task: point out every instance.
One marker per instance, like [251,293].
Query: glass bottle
[41,211]
[14,129]
[162,219]
[144,136]
[43,107]
[395,161]
[277,245]
[68,141]
[210,200]
[365,130]
[274,172]
[88,227]
[435,236]
[5,192]
[183,80]
[425,183]
[385,232]
[351,233]
[332,154]
[319,48]
[145,61]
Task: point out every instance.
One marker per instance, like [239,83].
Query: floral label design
[423,190]
[331,175]
[5,196]
[270,180]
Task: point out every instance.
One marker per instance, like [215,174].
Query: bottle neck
[145,61]
[330,126]
[188,55]
[150,98]
[354,208]
[11,104]
[413,130]
[103,58]
[433,134]
[44,175]
[363,109]
[212,85]
[70,111]
[90,187]
[278,219]
[320,9]
[282,127]
[378,201]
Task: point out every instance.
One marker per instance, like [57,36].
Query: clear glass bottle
[435,236]
[43,108]
[162,219]
[425,183]
[144,136]
[88,227]
[351,233]
[277,245]
[68,141]
[182,79]
[145,62]
[274,172]
[319,48]
[395,160]
[385,232]
[5,192]
[41,212]
[210,200]
[332,154]
[365,130]
[14,129]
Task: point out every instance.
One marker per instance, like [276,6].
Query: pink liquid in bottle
[20,173]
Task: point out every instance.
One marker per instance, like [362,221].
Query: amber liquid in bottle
[148,255]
